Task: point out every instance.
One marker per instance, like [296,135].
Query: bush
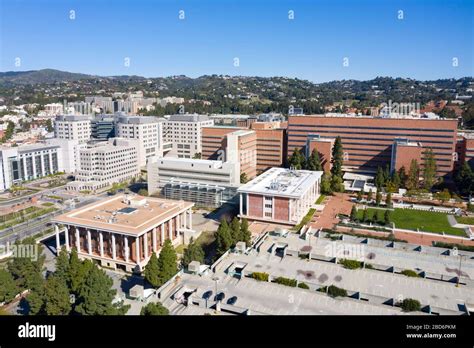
[285,281]
[369,266]
[410,273]
[334,291]
[410,305]
[453,245]
[350,264]
[303,285]
[262,276]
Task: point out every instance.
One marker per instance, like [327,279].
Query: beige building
[123,231]
[73,127]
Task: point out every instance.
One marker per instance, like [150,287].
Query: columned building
[123,231]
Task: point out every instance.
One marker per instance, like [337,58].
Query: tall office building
[73,127]
[183,133]
[369,142]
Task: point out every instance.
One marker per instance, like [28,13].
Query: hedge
[262,276]
[303,285]
[410,273]
[350,264]
[333,291]
[410,305]
[285,281]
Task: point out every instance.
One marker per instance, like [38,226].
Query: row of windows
[398,135]
[290,126]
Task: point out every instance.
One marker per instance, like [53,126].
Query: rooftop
[124,214]
[282,182]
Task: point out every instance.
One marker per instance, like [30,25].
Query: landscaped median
[15,218]
[304,220]
[426,221]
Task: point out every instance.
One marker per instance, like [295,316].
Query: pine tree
[96,295]
[388,200]
[193,252]
[326,184]
[403,177]
[223,238]
[337,158]
[369,195]
[379,178]
[387,217]
[78,271]
[353,216]
[235,231]
[365,215]
[378,198]
[56,296]
[464,179]
[154,308]
[396,180]
[62,265]
[152,271]
[413,176]
[8,288]
[167,262]
[297,159]
[337,184]
[429,171]
[245,232]
[314,162]
[359,196]
[35,300]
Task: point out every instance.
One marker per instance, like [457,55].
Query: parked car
[219,297]
[232,300]
[207,295]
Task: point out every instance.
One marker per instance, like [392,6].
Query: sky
[320,40]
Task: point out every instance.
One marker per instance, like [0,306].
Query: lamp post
[459,275]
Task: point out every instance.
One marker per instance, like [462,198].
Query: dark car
[207,295]
[219,297]
[232,300]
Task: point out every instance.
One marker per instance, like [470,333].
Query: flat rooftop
[282,182]
[124,214]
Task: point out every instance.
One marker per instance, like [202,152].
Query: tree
[243,178]
[193,252]
[403,176]
[197,155]
[143,192]
[379,178]
[245,232]
[369,195]
[326,184]
[152,271]
[378,198]
[429,171]
[396,181]
[167,262]
[235,231]
[413,176]
[353,216]
[35,300]
[444,195]
[388,200]
[359,195]
[314,162]
[337,185]
[387,217]
[62,265]
[78,271]
[8,288]
[26,272]
[297,160]
[56,296]
[365,215]
[223,238]
[154,308]
[337,158]
[49,126]
[378,216]
[464,179]
[96,295]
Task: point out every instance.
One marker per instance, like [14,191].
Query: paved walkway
[340,203]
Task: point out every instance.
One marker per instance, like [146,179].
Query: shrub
[262,276]
[334,291]
[285,281]
[410,273]
[453,245]
[303,285]
[410,305]
[369,266]
[350,264]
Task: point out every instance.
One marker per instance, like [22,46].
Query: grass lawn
[465,220]
[205,240]
[320,199]
[427,221]
[305,220]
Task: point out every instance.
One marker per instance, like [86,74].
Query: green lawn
[465,220]
[304,220]
[320,199]
[427,221]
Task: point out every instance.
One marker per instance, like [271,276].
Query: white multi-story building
[204,182]
[184,133]
[69,153]
[105,163]
[28,162]
[148,131]
[53,109]
[73,127]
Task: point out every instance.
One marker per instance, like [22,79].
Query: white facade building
[204,182]
[148,131]
[73,127]
[105,163]
[184,133]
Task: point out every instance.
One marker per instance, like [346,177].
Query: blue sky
[312,46]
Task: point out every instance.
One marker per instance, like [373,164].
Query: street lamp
[459,275]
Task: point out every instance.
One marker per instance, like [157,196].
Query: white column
[114,253]
[145,245]
[178,222]
[58,242]
[190,219]
[50,162]
[101,244]
[170,228]
[89,242]
[25,172]
[137,249]
[153,237]
[240,207]
[33,162]
[42,164]
[127,252]
[162,234]
[66,236]
[78,240]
